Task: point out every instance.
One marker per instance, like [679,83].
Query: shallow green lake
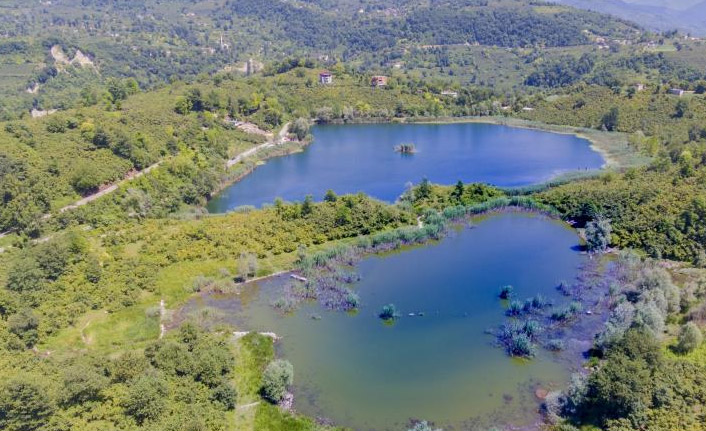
[441,367]
[361,157]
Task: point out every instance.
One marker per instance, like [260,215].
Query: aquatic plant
[352,301]
[521,345]
[567,313]
[388,312]
[536,303]
[514,309]
[506,292]
[555,345]
[285,304]
[531,328]
[517,337]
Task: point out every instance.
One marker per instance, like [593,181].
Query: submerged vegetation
[388,312]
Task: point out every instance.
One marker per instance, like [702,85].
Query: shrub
[82,384]
[24,404]
[521,345]
[556,345]
[388,312]
[536,303]
[24,324]
[598,233]
[506,292]
[86,179]
[690,337]
[225,394]
[352,301]
[567,313]
[515,308]
[146,399]
[277,378]
[531,328]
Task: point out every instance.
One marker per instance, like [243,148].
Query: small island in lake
[406,149]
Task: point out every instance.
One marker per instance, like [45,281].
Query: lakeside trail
[272,142]
[110,189]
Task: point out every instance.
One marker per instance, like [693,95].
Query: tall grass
[501,203]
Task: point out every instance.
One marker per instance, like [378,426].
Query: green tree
[277,378]
[424,190]
[681,109]
[300,128]
[308,205]
[330,196]
[225,394]
[24,324]
[86,178]
[182,106]
[145,399]
[25,404]
[457,193]
[690,337]
[598,235]
[611,119]
[25,275]
[82,384]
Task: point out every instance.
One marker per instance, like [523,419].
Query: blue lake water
[355,158]
[442,367]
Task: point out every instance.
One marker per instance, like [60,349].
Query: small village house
[325,77]
[639,87]
[677,92]
[449,93]
[378,81]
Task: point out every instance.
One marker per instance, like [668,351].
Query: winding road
[279,140]
[273,142]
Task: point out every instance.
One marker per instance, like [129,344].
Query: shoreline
[614,159]
[603,143]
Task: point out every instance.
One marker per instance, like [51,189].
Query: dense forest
[153,42]
[148,102]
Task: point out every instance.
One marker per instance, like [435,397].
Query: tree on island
[406,148]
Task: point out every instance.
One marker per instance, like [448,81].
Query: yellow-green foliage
[649,210]
[652,111]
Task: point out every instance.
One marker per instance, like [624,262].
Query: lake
[355,158]
[442,366]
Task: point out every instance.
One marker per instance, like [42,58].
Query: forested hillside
[687,16]
[154,42]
